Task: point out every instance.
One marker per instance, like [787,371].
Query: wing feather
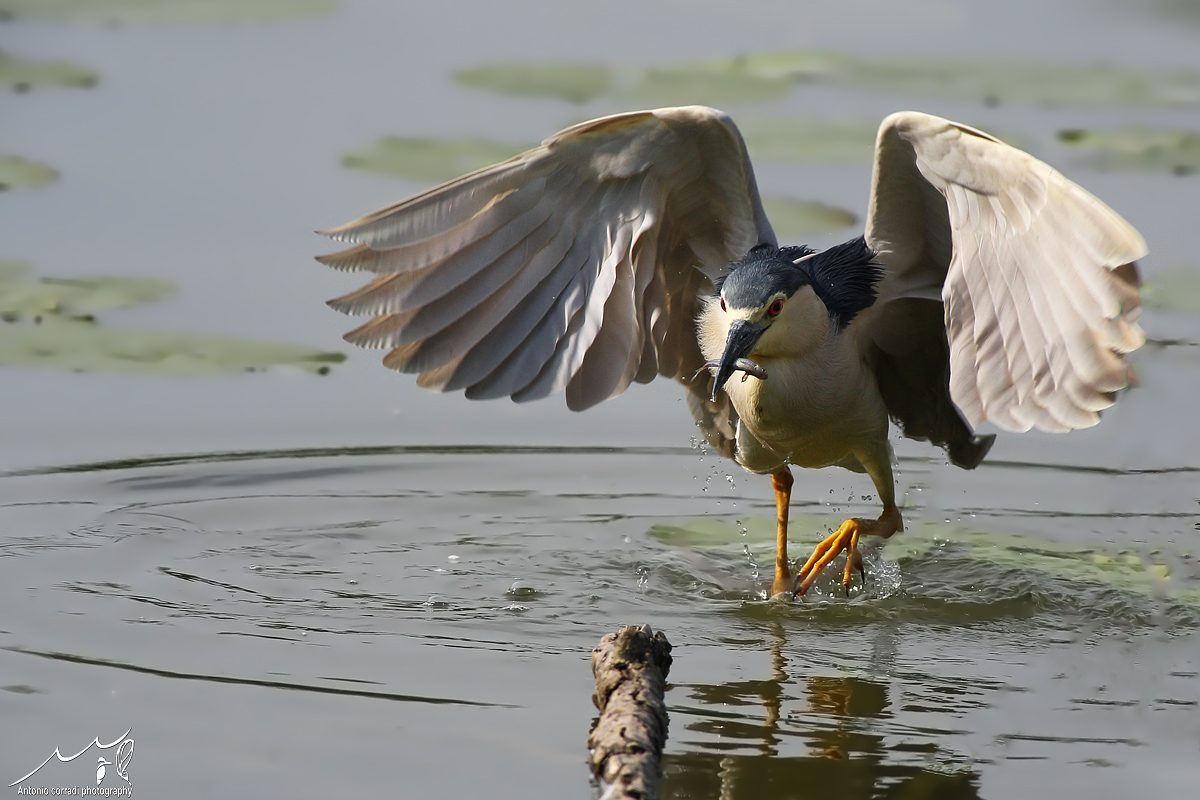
[443,208]
[421,253]
[573,267]
[571,349]
[1038,284]
[497,254]
[514,331]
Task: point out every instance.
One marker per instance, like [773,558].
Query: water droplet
[643,573]
[521,588]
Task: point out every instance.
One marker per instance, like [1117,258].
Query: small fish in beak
[743,335]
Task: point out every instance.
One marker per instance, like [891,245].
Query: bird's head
[779,299]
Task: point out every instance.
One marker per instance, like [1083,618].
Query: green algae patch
[19,75]
[431,160]
[773,76]
[1117,569]
[741,79]
[795,220]
[718,533]
[1122,570]
[82,346]
[24,296]
[808,140]
[694,85]
[1175,290]
[164,12]
[1044,84]
[21,173]
[574,83]
[1137,148]
[795,66]
[51,323]
[1185,11]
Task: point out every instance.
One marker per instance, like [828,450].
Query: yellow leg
[846,539]
[782,481]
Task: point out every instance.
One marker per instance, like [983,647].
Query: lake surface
[284,584]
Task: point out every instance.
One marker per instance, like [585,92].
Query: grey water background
[290,585]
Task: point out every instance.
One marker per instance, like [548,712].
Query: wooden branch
[626,745]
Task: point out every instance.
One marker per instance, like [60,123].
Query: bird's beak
[739,345]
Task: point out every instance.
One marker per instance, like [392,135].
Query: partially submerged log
[626,745]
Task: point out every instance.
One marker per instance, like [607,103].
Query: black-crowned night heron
[988,288]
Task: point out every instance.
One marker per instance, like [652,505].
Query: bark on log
[626,745]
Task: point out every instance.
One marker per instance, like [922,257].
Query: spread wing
[574,266]
[1032,279]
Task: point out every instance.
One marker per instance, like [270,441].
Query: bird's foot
[845,539]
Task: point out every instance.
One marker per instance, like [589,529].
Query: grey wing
[1010,294]
[574,266]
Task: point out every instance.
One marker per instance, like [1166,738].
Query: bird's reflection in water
[836,718]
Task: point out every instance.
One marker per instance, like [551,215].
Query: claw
[853,561]
[844,539]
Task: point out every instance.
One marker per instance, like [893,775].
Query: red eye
[722,303]
[775,308]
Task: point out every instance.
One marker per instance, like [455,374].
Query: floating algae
[574,83]
[1174,290]
[20,75]
[1124,571]
[51,323]
[21,173]
[772,76]
[431,160]
[1137,148]
[799,220]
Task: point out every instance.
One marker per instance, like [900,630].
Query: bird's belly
[812,423]
[809,440]
[817,449]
